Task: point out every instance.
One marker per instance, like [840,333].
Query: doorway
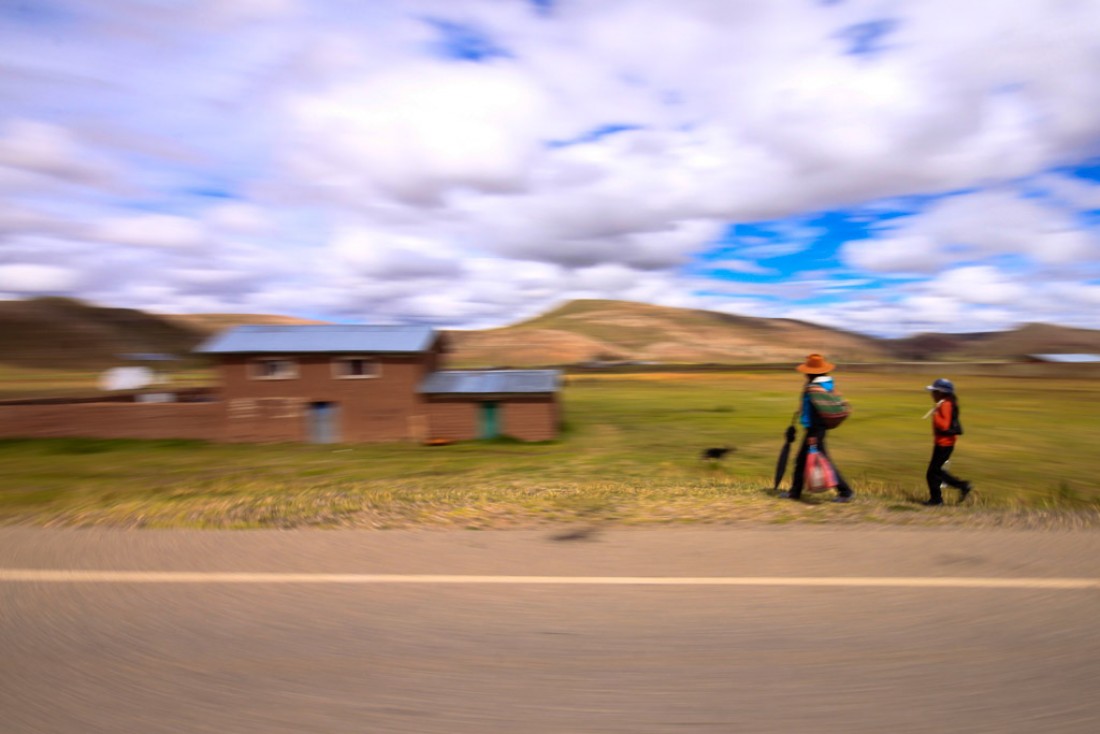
[489,420]
[324,422]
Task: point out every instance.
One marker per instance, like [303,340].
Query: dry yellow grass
[629,456]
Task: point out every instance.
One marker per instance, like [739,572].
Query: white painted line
[199,577]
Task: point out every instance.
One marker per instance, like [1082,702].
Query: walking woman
[946,430]
[816,369]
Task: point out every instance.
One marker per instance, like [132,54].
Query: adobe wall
[382,408]
[531,419]
[263,420]
[534,418]
[113,420]
[452,420]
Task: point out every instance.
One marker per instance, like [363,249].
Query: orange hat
[815,365]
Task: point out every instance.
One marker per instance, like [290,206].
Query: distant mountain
[63,333]
[212,323]
[996,345]
[598,330]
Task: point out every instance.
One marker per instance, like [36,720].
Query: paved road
[272,653]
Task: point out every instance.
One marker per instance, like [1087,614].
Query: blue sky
[884,166]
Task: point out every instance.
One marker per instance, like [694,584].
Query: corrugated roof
[491,382]
[1068,358]
[320,338]
[148,357]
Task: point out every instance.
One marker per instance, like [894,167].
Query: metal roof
[1068,358]
[148,357]
[320,338]
[491,382]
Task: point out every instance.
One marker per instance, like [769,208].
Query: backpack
[832,409]
[955,429]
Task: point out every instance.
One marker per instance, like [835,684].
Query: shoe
[963,492]
[843,498]
[932,503]
[789,496]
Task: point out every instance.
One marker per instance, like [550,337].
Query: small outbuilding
[1065,358]
[334,383]
[517,403]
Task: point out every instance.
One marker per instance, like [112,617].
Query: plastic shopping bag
[820,475]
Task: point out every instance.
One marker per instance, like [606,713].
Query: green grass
[27,382]
[629,456]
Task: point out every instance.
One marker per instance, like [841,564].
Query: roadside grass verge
[630,456]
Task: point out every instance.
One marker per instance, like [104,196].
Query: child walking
[946,429]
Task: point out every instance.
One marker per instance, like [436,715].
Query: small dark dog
[716,453]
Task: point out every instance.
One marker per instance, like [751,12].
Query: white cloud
[1070,191]
[1086,297]
[151,230]
[204,278]
[746,267]
[597,151]
[771,250]
[977,284]
[35,279]
[907,254]
[20,219]
[238,218]
[605,279]
[974,226]
[386,255]
[1066,247]
[42,148]
[417,131]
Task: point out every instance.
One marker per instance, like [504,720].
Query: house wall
[249,410]
[382,408]
[452,420]
[528,418]
[268,420]
[536,418]
[263,420]
[113,420]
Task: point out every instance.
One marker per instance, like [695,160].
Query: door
[489,423]
[324,423]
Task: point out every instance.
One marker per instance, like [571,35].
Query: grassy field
[24,382]
[629,456]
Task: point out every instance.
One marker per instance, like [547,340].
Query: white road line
[199,577]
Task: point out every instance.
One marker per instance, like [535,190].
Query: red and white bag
[820,475]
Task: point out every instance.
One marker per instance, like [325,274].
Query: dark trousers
[797,480]
[937,475]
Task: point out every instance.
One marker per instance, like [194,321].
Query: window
[271,368]
[355,368]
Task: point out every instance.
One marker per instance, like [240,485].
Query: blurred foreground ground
[444,657]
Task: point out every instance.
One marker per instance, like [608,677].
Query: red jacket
[941,423]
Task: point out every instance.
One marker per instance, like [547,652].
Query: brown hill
[1035,339]
[212,323]
[998,345]
[62,333]
[597,330]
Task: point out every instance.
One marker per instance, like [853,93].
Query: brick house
[331,383]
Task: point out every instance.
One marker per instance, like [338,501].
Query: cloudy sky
[886,166]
